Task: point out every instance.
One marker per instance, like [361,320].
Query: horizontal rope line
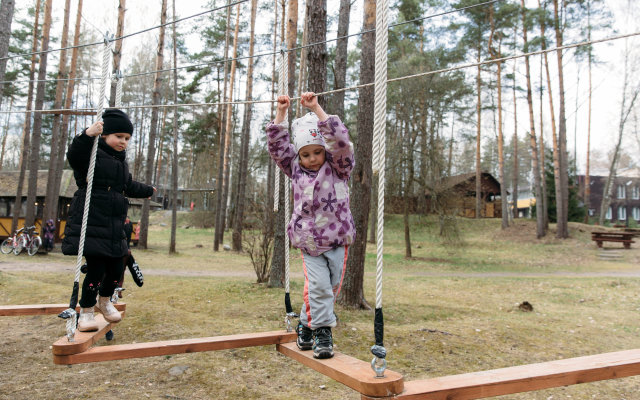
[391,80]
[125,36]
[270,53]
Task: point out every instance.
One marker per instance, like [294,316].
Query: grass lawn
[448,310]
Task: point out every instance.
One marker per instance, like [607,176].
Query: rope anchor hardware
[379,362]
[287,320]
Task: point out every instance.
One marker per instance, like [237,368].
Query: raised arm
[336,138]
[280,147]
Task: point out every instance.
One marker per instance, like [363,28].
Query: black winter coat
[108,208]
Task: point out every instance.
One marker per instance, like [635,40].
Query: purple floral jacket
[321,218]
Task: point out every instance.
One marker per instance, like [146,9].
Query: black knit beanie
[116,121]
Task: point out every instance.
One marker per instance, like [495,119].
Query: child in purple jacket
[319,163]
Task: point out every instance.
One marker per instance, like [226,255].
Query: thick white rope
[284,86]
[276,182]
[119,79]
[379,130]
[106,57]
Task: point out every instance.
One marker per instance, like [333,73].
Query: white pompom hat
[305,131]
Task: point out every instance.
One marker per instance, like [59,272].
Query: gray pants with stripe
[322,281]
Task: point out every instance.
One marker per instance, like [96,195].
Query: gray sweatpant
[322,281]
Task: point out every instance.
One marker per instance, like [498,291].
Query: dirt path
[27,266]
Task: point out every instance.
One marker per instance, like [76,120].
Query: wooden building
[459,195]
[8,189]
[625,197]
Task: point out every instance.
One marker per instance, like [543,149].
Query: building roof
[9,183]
[452,181]
[9,186]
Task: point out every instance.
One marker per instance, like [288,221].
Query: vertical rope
[106,57]
[379,129]
[284,81]
[276,184]
[379,135]
[119,79]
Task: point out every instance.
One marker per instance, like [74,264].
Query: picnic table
[626,238]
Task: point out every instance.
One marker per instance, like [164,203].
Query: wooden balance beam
[82,340]
[42,309]
[179,346]
[349,371]
[523,378]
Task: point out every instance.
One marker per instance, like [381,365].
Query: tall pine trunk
[222,211]
[34,154]
[478,137]
[6,17]
[340,71]
[503,187]
[317,54]
[217,235]
[26,129]
[244,144]
[352,294]
[51,200]
[151,149]
[552,113]
[514,184]
[562,196]
[174,160]
[532,126]
[587,177]
[117,52]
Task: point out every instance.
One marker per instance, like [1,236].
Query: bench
[619,237]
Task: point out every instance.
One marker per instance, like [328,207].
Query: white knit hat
[305,131]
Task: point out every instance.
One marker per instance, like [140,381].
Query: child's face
[118,141]
[312,156]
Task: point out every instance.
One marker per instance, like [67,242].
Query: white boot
[86,322]
[108,310]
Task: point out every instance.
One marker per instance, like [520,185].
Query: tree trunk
[26,130]
[514,185]
[62,143]
[352,294]
[411,136]
[222,212]
[276,273]
[340,71]
[545,193]
[503,189]
[174,160]
[151,149]
[532,126]
[34,154]
[6,17]
[478,137]
[246,132]
[51,200]
[117,52]
[562,196]
[5,134]
[317,54]
[554,133]
[587,177]
[217,235]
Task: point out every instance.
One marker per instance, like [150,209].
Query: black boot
[305,337]
[323,344]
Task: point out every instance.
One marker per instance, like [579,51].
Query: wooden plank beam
[523,378]
[163,348]
[349,371]
[41,309]
[82,340]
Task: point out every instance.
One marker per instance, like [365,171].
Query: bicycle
[30,240]
[12,243]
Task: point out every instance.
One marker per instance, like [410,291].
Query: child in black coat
[105,242]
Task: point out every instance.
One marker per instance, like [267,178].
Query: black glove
[136,273]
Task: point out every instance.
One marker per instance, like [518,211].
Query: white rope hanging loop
[283,90]
[119,79]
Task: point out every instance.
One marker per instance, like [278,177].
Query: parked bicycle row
[26,238]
